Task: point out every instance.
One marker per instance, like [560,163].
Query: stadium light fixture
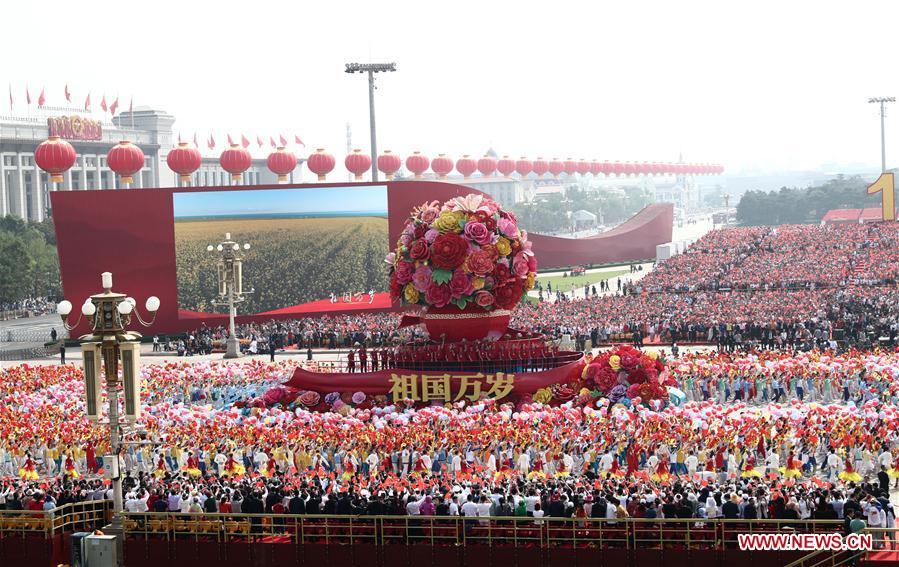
[883,148]
[371,69]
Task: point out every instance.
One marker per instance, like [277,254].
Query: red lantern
[282,163]
[320,163]
[55,156]
[630,168]
[389,164]
[607,168]
[646,168]
[719,169]
[126,159]
[466,166]
[417,163]
[505,166]
[487,166]
[618,168]
[583,167]
[442,166]
[556,166]
[184,160]
[523,166]
[540,167]
[570,167]
[357,163]
[235,160]
[657,168]
[595,168]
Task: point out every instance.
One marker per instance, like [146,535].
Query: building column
[68,186]
[4,204]
[83,173]
[37,192]
[23,205]
[100,181]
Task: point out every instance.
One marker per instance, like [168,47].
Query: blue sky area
[263,201]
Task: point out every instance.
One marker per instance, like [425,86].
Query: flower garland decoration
[465,252]
[628,376]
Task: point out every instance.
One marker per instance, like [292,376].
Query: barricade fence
[630,533]
[73,517]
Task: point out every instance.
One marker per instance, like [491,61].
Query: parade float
[461,267]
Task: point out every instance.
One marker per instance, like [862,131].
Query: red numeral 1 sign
[885,186]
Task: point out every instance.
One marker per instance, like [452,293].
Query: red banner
[431,385]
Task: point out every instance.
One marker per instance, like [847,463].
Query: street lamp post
[371,69]
[883,147]
[108,314]
[230,286]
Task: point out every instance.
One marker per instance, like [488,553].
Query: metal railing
[884,539]
[78,516]
[631,533]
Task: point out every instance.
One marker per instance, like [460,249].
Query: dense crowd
[761,433]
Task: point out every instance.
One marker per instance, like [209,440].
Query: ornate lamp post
[108,314]
[230,279]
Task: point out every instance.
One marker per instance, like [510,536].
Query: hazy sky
[753,85]
[319,200]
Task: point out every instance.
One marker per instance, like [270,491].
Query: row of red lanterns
[321,163]
[56,156]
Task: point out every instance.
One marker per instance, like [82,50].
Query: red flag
[41,99]
[270,139]
[103,103]
[211,143]
[68,94]
[230,140]
[258,140]
[298,140]
[87,102]
[283,141]
[27,95]
[115,106]
[244,142]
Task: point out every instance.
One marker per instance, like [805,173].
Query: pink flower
[403,272]
[405,239]
[438,295]
[429,214]
[358,398]
[520,266]
[431,236]
[477,231]
[484,298]
[390,258]
[460,284]
[508,227]
[421,279]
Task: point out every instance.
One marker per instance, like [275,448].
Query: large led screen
[306,245]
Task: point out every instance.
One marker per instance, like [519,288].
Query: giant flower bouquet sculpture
[629,376]
[466,263]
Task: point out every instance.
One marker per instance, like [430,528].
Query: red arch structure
[635,239]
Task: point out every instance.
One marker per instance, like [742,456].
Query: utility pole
[883,146]
[371,69]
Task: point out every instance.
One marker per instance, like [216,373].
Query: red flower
[438,295]
[396,288]
[501,274]
[449,251]
[419,250]
[508,294]
[420,230]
